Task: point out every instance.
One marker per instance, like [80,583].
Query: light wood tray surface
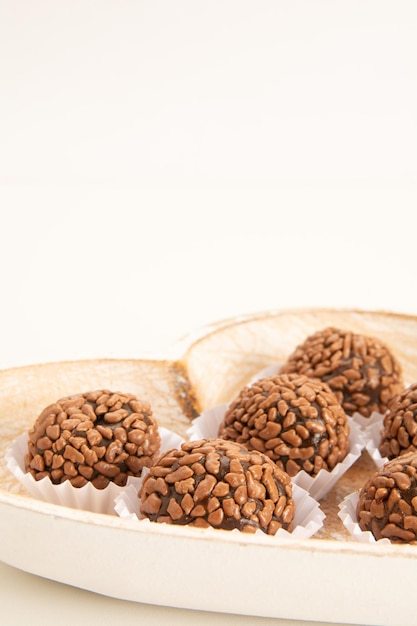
[211,367]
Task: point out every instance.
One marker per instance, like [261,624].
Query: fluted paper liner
[207,426]
[87,498]
[372,437]
[347,513]
[308,518]
[372,430]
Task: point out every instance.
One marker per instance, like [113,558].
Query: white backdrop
[191,92]
[168,164]
[92,273]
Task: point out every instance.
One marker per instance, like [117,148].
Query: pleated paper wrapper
[87,498]
[207,426]
[308,517]
[347,513]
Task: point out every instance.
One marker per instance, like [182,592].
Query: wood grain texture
[211,370]
[222,361]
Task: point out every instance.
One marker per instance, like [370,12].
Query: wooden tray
[326,578]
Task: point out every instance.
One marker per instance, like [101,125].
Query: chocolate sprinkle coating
[387,505]
[295,420]
[217,483]
[98,437]
[360,370]
[399,433]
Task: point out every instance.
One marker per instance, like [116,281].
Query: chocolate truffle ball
[98,437]
[217,483]
[387,505]
[360,370]
[295,420]
[399,433]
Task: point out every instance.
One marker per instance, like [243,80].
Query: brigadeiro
[98,437]
[360,370]
[220,484]
[387,505]
[293,419]
[399,433]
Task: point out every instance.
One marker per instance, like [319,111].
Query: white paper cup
[88,497]
[372,435]
[207,426]
[308,518]
[347,513]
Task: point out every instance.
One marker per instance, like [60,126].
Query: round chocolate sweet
[399,433]
[360,370]
[218,483]
[98,437]
[387,505]
[295,420]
